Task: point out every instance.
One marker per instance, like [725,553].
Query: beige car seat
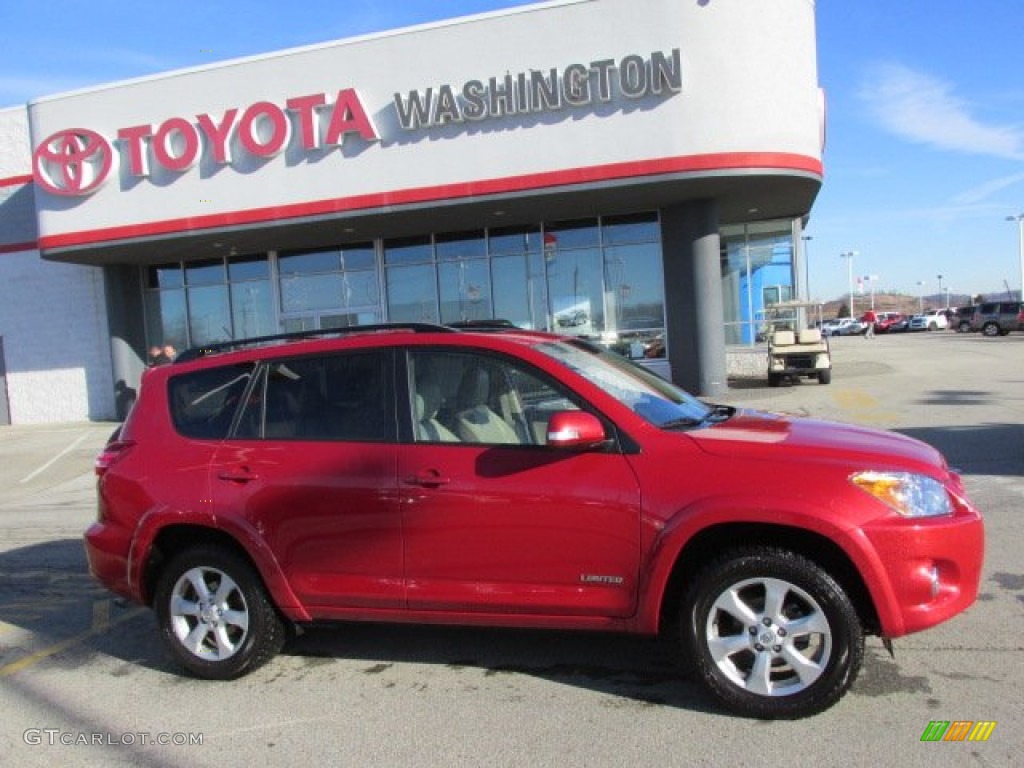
[476,422]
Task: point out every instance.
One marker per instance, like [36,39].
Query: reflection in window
[522,298]
[220,301]
[462,245]
[465,291]
[576,291]
[338,397]
[209,320]
[408,250]
[412,294]
[166,322]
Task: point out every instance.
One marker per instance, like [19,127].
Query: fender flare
[245,536]
[703,515]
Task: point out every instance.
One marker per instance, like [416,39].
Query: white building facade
[632,170]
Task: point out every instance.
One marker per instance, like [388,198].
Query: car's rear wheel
[990,329]
[214,613]
[771,634]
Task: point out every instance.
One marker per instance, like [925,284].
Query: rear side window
[203,403]
[335,397]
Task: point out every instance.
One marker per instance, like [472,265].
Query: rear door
[495,520]
[311,467]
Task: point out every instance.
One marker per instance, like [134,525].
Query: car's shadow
[71,621]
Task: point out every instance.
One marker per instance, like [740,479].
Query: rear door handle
[428,478]
[239,475]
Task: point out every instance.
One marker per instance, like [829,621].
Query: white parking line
[35,473]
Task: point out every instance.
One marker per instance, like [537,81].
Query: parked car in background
[886,321]
[997,318]
[932,320]
[961,321]
[510,478]
[900,326]
[843,326]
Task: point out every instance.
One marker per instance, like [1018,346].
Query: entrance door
[5,410]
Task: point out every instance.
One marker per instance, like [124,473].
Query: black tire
[231,629]
[774,379]
[990,329]
[750,669]
[824,377]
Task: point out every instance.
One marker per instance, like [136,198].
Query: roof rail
[194,353]
[496,324]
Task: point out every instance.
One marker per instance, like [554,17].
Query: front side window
[465,397]
[334,397]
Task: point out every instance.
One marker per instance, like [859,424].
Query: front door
[495,520]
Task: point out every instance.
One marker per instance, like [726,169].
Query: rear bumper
[106,550]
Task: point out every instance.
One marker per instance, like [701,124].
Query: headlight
[909,494]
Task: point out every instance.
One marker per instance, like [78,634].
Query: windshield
[649,396]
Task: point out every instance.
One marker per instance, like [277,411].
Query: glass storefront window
[209,320]
[576,291]
[165,276]
[412,294]
[757,268]
[582,233]
[408,250]
[465,291]
[166,321]
[205,273]
[461,245]
[635,228]
[252,309]
[249,268]
[308,262]
[522,299]
[509,240]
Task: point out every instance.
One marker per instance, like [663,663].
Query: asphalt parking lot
[84,680]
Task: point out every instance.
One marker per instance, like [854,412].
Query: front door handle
[237,475]
[428,478]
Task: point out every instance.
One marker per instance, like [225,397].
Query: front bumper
[933,568]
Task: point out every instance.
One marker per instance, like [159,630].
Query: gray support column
[693,297]
[126,318]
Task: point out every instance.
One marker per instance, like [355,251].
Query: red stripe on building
[779,161]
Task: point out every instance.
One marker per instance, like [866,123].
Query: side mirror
[575,429]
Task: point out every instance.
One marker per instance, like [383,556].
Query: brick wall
[52,316]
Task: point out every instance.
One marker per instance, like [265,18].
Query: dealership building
[636,171]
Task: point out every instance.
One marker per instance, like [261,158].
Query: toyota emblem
[72,162]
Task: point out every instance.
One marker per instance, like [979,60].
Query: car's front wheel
[214,613]
[771,634]
[990,329]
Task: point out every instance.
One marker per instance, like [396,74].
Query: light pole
[1019,218]
[920,297]
[939,277]
[849,274]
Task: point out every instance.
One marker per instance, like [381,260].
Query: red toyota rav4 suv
[513,478]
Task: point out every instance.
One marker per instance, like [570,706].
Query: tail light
[112,452]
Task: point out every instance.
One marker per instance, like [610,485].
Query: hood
[770,436]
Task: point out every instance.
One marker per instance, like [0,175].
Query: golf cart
[796,348]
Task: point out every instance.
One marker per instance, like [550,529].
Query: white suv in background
[932,320]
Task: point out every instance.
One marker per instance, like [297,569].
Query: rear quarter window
[203,403]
